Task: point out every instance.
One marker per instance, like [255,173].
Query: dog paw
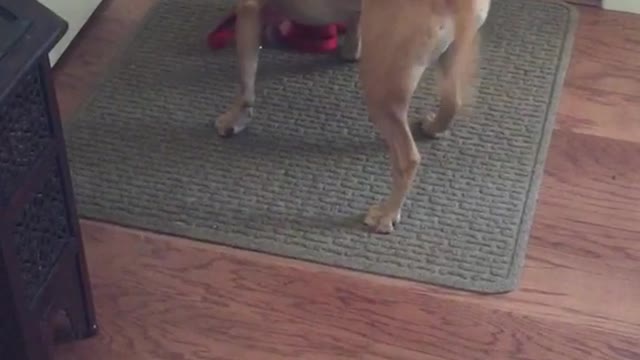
[232,122]
[431,127]
[380,220]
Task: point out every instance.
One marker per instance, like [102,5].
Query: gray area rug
[143,151]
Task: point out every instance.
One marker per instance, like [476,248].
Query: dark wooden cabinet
[42,263]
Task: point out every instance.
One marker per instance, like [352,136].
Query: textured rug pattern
[143,151]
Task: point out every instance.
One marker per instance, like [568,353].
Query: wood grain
[602,90]
[160,297]
[163,299]
[596,3]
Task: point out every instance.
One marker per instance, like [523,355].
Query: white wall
[76,13]
[632,6]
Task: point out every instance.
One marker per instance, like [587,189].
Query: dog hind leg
[248,32]
[392,64]
[457,67]
[450,99]
[391,122]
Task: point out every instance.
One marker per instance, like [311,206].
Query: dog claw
[232,123]
[380,221]
[431,128]
[227,133]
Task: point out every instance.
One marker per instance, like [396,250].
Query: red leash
[304,38]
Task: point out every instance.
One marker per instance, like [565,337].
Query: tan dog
[395,40]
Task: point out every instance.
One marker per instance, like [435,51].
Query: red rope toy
[304,38]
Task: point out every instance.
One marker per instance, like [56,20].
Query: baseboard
[630,6]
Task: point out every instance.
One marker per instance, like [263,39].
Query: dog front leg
[248,32]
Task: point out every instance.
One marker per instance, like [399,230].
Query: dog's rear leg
[458,65]
[248,28]
[452,90]
[392,63]
[450,99]
[404,160]
[388,107]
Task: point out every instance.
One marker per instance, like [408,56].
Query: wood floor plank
[591,183]
[596,3]
[602,113]
[602,88]
[160,298]
[606,59]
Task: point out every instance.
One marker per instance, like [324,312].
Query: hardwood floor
[159,297]
[597,3]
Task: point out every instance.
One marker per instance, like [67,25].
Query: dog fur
[394,42]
